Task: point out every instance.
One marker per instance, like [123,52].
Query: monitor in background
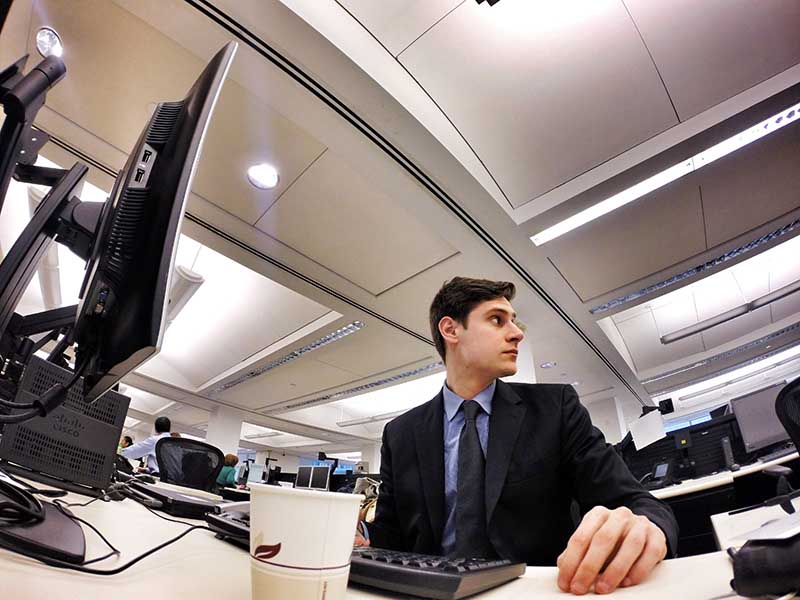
[120,322]
[319,478]
[720,411]
[256,471]
[303,479]
[755,414]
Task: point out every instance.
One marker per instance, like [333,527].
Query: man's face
[489,339]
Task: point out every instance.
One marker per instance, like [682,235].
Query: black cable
[32,490]
[45,403]
[66,565]
[69,515]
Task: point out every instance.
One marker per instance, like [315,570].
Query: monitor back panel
[77,442]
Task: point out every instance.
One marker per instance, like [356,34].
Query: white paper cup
[300,542]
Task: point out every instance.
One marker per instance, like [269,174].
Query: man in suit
[491,469]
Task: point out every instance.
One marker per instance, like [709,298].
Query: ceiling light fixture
[548,365]
[48,42]
[334,336]
[731,314]
[263,176]
[740,140]
[256,436]
[372,419]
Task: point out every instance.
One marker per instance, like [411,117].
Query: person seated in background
[227,476]
[124,443]
[147,447]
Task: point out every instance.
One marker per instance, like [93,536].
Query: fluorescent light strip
[372,419]
[323,341]
[731,314]
[669,175]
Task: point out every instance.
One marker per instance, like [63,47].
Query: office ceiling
[417,140]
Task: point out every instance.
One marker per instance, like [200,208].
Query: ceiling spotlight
[263,176]
[548,365]
[48,42]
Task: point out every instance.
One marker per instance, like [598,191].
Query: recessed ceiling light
[548,365]
[263,176]
[48,42]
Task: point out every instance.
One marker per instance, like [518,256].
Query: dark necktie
[472,539]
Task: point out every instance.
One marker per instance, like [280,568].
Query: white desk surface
[718,479]
[201,567]
[730,529]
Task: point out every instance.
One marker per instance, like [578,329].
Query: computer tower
[75,445]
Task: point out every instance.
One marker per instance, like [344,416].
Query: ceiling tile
[676,315]
[525,85]
[336,217]
[297,378]
[786,307]
[715,295]
[736,328]
[397,23]
[642,340]
[628,244]
[709,51]
[751,186]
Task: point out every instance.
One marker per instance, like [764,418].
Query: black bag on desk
[767,567]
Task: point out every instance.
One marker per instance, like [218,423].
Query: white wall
[604,417]
[225,429]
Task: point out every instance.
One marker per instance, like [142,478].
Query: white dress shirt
[146,447]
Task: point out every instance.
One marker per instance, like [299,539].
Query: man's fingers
[578,544]
[602,547]
[653,553]
[629,552]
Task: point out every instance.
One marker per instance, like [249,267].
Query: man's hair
[128,439]
[458,297]
[163,425]
[231,460]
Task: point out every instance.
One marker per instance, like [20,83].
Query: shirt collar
[452,401]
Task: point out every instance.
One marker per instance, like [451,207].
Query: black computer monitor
[755,414]
[303,479]
[120,321]
[320,477]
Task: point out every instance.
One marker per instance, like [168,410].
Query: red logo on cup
[266,551]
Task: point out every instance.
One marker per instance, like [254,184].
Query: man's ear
[448,327]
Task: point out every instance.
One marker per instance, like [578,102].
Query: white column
[225,429]
[371,453]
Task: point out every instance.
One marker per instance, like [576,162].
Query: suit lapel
[508,413]
[430,459]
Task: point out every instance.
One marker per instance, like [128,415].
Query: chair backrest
[190,463]
[787,407]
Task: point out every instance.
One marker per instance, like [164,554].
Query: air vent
[165,119]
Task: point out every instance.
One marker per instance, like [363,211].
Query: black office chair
[787,408]
[189,463]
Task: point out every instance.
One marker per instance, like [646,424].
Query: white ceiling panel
[715,295]
[786,307]
[235,313]
[679,313]
[709,51]
[736,328]
[297,378]
[145,401]
[641,337]
[397,23]
[336,217]
[527,87]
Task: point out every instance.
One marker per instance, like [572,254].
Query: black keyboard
[429,576]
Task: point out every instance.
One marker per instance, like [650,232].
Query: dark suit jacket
[543,453]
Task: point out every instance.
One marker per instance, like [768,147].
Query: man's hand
[629,546]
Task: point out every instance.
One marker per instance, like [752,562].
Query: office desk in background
[718,479]
[730,529]
[201,567]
